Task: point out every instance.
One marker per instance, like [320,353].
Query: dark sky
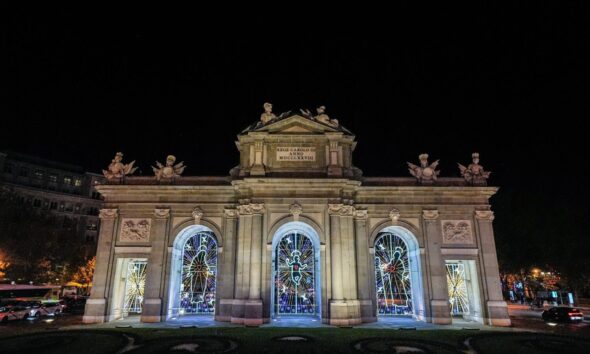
[509,82]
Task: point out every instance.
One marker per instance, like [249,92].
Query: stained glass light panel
[199,274]
[134,286]
[458,300]
[294,276]
[392,276]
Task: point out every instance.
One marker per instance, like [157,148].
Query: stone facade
[296,175]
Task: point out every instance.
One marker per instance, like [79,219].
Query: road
[524,318]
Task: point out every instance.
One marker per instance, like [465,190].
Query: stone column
[439,301]
[364,284]
[226,270]
[96,305]
[247,305]
[344,305]
[497,310]
[253,307]
[153,291]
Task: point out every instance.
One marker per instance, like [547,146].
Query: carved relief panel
[457,232]
[135,230]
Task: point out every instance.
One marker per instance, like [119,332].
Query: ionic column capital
[341,209]
[486,215]
[162,213]
[430,214]
[108,214]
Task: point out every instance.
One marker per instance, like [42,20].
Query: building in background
[64,190]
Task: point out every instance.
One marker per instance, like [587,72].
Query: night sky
[510,83]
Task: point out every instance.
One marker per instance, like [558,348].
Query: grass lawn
[287,340]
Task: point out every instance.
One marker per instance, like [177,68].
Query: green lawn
[299,340]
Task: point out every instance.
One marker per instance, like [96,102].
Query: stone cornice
[108,214]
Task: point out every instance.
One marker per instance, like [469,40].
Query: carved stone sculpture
[474,174]
[457,231]
[117,169]
[135,230]
[267,116]
[295,209]
[170,170]
[324,118]
[425,173]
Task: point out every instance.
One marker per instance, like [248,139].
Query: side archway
[193,275]
[397,272]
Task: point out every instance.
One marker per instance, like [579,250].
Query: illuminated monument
[296,230]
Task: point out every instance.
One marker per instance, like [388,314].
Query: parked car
[12,313]
[563,315]
[48,308]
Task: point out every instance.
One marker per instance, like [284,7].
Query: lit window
[39,174]
[53,178]
[67,180]
[77,182]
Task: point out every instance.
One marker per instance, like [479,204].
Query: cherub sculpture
[170,170]
[425,173]
[117,169]
[267,116]
[324,118]
[474,174]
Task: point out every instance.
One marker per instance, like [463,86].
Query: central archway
[296,271]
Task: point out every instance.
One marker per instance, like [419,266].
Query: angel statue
[267,116]
[170,170]
[474,174]
[425,173]
[117,169]
[324,118]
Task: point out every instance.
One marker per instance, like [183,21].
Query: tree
[85,273]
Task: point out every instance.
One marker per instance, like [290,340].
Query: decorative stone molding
[162,213]
[295,209]
[361,214]
[106,214]
[457,231]
[484,215]
[135,230]
[230,212]
[197,215]
[394,215]
[341,209]
[430,214]
[251,209]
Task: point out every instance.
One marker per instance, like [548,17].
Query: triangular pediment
[297,124]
